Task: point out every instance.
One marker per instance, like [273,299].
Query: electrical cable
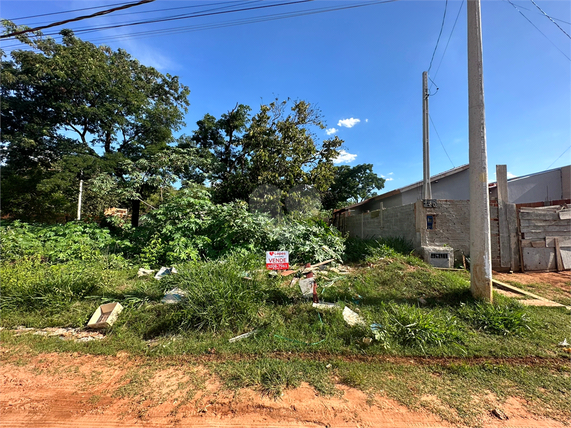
[528,20]
[138,12]
[244,21]
[188,16]
[449,37]
[65,11]
[557,19]
[551,19]
[438,135]
[79,18]
[565,151]
[439,34]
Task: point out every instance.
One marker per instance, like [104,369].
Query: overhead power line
[224,24]
[441,143]
[64,11]
[194,6]
[439,34]
[79,18]
[565,151]
[521,13]
[550,18]
[449,37]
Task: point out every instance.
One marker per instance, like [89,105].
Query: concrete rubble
[75,334]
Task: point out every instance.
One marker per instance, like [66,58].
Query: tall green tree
[77,104]
[352,185]
[277,146]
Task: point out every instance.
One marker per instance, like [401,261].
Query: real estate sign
[277,260]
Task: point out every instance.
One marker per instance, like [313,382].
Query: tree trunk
[136,206]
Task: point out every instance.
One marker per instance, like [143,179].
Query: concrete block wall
[495,233]
[451,226]
[386,223]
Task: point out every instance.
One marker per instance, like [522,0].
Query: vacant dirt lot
[72,390]
[555,286]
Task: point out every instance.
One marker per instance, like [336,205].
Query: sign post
[277,260]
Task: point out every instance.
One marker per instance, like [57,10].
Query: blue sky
[363,69]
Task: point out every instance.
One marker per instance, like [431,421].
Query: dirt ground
[550,285]
[73,390]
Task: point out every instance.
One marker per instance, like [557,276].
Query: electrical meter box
[442,257]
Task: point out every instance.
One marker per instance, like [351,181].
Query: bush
[58,243]
[358,249]
[218,297]
[502,319]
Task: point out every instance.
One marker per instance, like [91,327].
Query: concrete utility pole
[79,197]
[427,189]
[480,244]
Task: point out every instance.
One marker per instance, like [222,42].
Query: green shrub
[502,319]
[218,297]
[31,284]
[358,249]
[58,243]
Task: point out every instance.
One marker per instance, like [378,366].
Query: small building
[446,223]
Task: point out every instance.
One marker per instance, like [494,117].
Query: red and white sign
[277,260]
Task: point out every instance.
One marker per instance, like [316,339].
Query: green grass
[419,313]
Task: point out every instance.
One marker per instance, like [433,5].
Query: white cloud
[348,123]
[331,131]
[388,178]
[344,157]
[510,175]
[366,120]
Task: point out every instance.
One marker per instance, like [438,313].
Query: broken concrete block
[325,305]
[176,295]
[352,318]
[145,272]
[306,287]
[105,315]
[164,271]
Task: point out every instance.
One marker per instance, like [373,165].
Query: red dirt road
[72,390]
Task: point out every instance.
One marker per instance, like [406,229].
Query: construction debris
[306,287]
[242,336]
[75,334]
[325,305]
[105,316]
[352,318]
[145,272]
[164,271]
[176,295]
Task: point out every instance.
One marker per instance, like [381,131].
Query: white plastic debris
[176,295]
[324,305]
[145,272]
[164,271]
[352,318]
[564,344]
[242,336]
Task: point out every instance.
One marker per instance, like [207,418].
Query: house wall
[455,187]
[540,187]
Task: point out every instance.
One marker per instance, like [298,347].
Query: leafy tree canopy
[277,147]
[78,107]
[352,184]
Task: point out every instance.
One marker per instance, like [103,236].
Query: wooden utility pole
[427,189]
[480,243]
